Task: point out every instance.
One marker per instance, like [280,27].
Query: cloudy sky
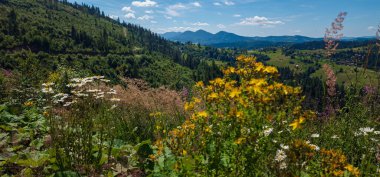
[246,17]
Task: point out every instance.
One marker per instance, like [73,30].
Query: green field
[345,74]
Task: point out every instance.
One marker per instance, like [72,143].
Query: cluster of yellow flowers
[243,107]
[334,162]
[246,93]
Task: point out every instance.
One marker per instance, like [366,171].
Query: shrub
[245,124]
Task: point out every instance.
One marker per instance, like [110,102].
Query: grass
[347,76]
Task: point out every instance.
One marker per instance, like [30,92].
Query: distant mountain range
[226,39]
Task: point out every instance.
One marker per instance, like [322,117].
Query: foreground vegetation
[246,123]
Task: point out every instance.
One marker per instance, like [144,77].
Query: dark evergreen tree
[13,28]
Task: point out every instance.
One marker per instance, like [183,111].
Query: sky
[246,17]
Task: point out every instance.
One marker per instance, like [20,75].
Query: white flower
[283,165]
[47,90]
[48,84]
[334,137]
[114,99]
[280,155]
[268,131]
[68,104]
[113,107]
[315,135]
[76,80]
[93,90]
[60,95]
[105,80]
[99,96]
[112,92]
[376,132]
[315,147]
[98,77]
[366,130]
[284,146]
[82,95]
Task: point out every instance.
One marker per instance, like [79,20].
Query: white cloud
[149,11]
[196,4]
[297,31]
[259,21]
[146,3]
[200,24]
[114,17]
[229,3]
[221,26]
[371,28]
[168,17]
[127,9]
[130,15]
[237,15]
[217,3]
[153,21]
[145,17]
[177,29]
[174,10]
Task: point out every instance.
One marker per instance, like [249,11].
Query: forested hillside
[55,36]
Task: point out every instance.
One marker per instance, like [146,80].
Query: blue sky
[246,17]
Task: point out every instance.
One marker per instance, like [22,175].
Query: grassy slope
[348,75]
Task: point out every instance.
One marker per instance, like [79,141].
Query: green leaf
[161,161]
[304,174]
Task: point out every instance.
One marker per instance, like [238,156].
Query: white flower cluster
[80,82]
[315,147]
[280,158]
[315,135]
[81,87]
[268,131]
[47,87]
[366,130]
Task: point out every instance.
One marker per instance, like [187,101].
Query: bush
[245,124]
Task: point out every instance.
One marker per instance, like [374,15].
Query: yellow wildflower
[218,81]
[235,93]
[239,114]
[184,152]
[152,157]
[189,106]
[353,170]
[270,70]
[259,67]
[258,82]
[199,84]
[28,103]
[197,100]
[297,123]
[229,70]
[207,129]
[213,96]
[239,141]
[202,114]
